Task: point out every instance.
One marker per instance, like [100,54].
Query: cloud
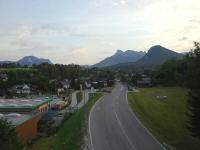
[79,51]
[95,29]
[183,39]
[27,31]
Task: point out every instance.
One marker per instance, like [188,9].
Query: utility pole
[84,95]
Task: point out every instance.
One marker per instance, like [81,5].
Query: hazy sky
[86,31]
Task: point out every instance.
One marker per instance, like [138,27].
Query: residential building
[88,85]
[144,82]
[20,89]
[3,77]
[26,89]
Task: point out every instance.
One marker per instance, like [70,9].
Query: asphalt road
[113,125]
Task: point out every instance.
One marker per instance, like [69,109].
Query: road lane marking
[124,132]
[89,126]
[142,124]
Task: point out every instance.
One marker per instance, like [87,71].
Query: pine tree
[194,94]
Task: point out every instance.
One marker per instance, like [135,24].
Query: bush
[8,139]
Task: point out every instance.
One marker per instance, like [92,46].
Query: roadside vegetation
[79,96]
[8,140]
[166,118]
[71,135]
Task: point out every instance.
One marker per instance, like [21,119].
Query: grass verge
[71,135]
[166,119]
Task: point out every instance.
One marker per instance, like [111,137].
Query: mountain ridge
[155,56]
[120,57]
[28,60]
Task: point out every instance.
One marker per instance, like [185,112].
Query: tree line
[44,75]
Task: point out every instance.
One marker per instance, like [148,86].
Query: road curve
[113,125]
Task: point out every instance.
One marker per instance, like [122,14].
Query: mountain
[30,60]
[156,55]
[6,62]
[120,57]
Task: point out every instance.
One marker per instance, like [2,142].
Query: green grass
[70,135]
[166,119]
[79,97]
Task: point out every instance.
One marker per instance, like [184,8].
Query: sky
[86,31]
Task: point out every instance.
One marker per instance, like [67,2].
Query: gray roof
[22,104]
[16,118]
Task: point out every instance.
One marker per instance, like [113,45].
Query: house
[110,83]
[20,89]
[65,84]
[105,84]
[3,77]
[16,89]
[2,92]
[131,87]
[34,89]
[26,89]
[95,85]
[144,82]
[84,79]
[101,84]
[88,85]
[62,86]
[60,91]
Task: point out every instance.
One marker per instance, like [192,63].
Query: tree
[194,85]
[8,137]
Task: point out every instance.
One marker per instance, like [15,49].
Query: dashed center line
[124,132]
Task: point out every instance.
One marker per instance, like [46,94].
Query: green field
[70,135]
[165,118]
[79,96]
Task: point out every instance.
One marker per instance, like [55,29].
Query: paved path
[74,99]
[83,101]
[113,125]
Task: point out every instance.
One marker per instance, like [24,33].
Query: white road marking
[142,124]
[90,133]
[124,132]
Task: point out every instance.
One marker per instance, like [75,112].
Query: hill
[6,62]
[120,57]
[156,56]
[30,60]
